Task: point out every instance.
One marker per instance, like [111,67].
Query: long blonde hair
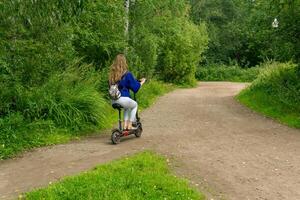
[118,69]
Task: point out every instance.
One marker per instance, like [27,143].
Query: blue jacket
[128,82]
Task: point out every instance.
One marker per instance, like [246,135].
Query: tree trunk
[127,7]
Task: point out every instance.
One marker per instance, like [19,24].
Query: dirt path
[225,149]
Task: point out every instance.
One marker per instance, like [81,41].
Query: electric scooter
[118,133]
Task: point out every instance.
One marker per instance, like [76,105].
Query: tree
[242,30]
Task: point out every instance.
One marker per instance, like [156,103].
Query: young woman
[119,74]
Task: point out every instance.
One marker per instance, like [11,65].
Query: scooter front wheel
[139,130]
[116,136]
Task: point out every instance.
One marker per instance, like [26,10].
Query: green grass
[151,90]
[143,176]
[79,115]
[227,73]
[267,105]
[276,93]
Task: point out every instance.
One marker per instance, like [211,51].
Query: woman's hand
[142,81]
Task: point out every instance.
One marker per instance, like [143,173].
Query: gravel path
[226,150]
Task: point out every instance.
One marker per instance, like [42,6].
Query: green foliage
[276,93]
[18,134]
[99,31]
[182,53]
[150,91]
[143,56]
[227,73]
[282,80]
[143,176]
[165,42]
[34,42]
[41,39]
[55,58]
[63,109]
[242,31]
[67,103]
[219,16]
[282,43]
[63,106]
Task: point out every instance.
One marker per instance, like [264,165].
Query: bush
[99,31]
[142,55]
[74,107]
[227,73]
[165,42]
[276,93]
[34,40]
[280,80]
[181,53]
[65,106]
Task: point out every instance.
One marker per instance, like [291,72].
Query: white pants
[130,108]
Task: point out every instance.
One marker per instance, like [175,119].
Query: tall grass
[62,109]
[68,106]
[276,93]
[150,91]
[18,134]
[227,73]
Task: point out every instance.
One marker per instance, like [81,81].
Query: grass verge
[269,106]
[276,93]
[143,176]
[18,135]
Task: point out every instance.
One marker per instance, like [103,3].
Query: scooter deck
[128,132]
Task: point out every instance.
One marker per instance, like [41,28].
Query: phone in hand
[142,80]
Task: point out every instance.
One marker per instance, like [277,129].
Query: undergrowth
[227,73]
[55,58]
[276,93]
[57,113]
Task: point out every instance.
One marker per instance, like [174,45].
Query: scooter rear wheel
[116,136]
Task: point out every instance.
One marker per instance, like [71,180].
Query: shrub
[66,99]
[280,80]
[276,93]
[99,31]
[227,73]
[181,53]
[165,42]
[143,53]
